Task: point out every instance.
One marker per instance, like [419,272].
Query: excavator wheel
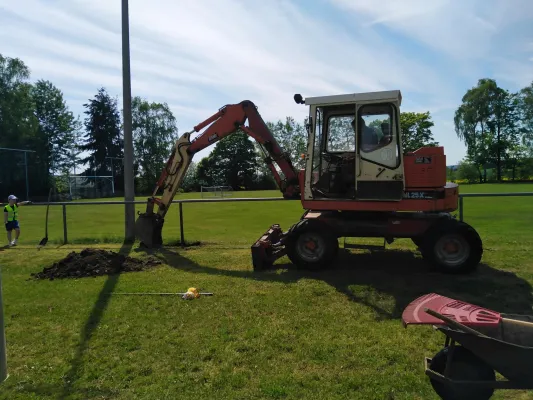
[452,246]
[311,245]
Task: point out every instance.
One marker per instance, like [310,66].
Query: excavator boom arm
[229,119]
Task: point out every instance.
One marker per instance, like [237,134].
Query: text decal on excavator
[212,137]
[428,195]
[423,160]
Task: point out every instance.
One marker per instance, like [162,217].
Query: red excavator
[357,182]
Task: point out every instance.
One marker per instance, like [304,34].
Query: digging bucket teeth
[148,229]
[268,248]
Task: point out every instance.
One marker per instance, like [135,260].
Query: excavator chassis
[447,244]
[312,243]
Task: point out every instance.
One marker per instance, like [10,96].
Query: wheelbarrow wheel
[465,367]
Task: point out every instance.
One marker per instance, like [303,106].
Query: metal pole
[129,190]
[94,170]
[64,224]
[3,357]
[26,168]
[460,208]
[181,226]
[113,177]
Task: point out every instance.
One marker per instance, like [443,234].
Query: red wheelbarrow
[479,342]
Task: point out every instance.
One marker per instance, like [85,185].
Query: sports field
[281,334]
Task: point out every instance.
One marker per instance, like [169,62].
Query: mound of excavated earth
[94,262]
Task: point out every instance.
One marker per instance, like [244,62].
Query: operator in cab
[369,137]
[11,218]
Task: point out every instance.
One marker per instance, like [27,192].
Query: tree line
[35,117]
[495,125]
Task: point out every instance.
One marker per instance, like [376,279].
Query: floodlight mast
[129,188]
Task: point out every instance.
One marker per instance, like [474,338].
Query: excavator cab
[354,150]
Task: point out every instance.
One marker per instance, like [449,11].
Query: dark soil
[94,262]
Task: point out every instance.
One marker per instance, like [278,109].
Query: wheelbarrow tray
[514,362]
[502,341]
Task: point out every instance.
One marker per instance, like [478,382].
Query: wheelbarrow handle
[453,323]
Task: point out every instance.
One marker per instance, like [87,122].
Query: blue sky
[200,55]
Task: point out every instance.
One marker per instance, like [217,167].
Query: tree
[232,163]
[57,127]
[451,173]
[471,124]
[154,134]
[102,135]
[74,158]
[525,109]
[190,181]
[292,138]
[503,125]
[518,162]
[18,126]
[203,173]
[487,121]
[17,120]
[416,130]
[264,180]
[467,171]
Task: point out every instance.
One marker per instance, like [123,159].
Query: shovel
[44,240]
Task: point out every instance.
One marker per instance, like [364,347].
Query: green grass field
[280,334]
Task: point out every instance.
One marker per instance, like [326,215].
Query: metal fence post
[461,205]
[3,356]
[182,234]
[64,224]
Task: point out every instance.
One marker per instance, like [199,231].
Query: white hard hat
[12,197]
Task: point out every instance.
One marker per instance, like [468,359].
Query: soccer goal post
[216,191]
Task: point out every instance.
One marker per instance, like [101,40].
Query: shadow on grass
[52,390]
[90,326]
[369,278]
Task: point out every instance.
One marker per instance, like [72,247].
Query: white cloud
[462,30]
[198,56]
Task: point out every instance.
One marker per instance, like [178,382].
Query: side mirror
[299,99]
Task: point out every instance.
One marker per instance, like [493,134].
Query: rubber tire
[465,366]
[456,227]
[327,236]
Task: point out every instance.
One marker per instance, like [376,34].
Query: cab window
[377,140]
[341,134]
[375,130]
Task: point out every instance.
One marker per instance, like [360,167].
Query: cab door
[379,166]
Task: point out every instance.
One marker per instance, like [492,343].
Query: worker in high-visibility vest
[11,218]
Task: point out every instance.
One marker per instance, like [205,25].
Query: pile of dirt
[94,262]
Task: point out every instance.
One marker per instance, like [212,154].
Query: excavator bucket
[268,248]
[148,229]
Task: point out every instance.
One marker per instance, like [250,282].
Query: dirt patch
[94,262]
